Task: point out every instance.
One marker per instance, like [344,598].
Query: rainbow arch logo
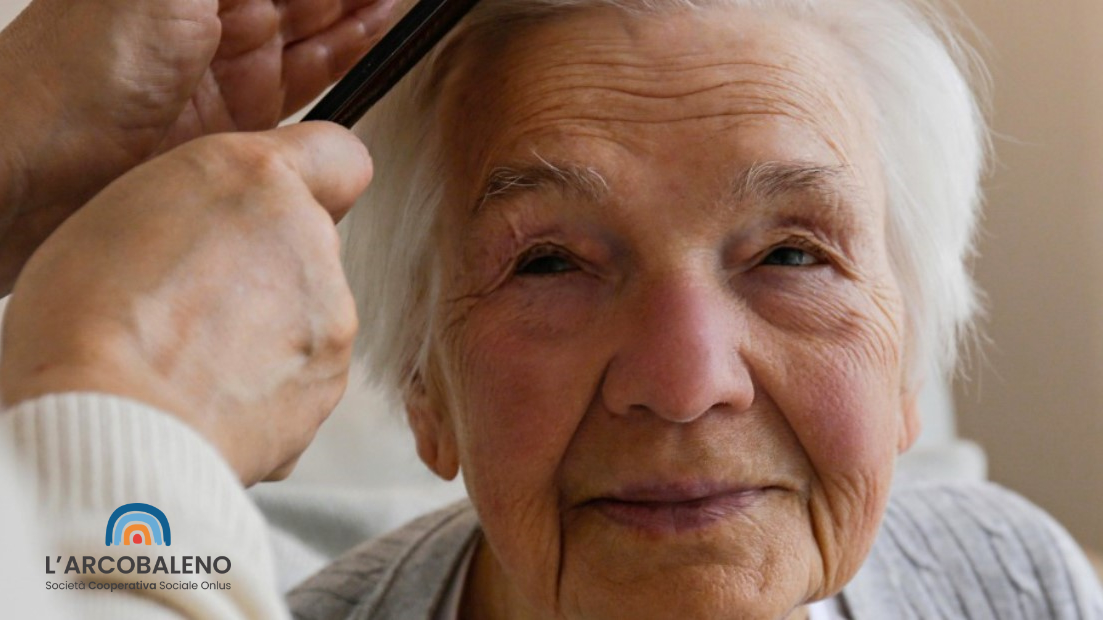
[138,524]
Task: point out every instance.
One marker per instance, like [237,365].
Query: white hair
[931,135]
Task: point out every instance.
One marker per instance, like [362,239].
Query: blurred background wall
[9,9]
[1034,400]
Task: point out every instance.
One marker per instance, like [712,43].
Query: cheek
[845,415]
[843,402]
[849,439]
[527,376]
[528,370]
[520,405]
[837,370]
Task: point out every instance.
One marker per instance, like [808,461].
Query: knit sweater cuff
[91,451]
[88,454]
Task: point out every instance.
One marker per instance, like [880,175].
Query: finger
[238,79]
[246,26]
[302,19]
[332,161]
[310,66]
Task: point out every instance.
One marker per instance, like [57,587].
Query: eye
[791,257]
[544,261]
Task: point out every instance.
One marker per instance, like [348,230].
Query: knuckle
[245,160]
[331,334]
[260,159]
[340,333]
[346,324]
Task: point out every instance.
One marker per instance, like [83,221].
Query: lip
[677,509]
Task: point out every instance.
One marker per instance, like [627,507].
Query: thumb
[332,161]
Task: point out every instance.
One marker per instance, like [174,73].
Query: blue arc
[146,508]
[127,519]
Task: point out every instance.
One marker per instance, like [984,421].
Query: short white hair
[931,135]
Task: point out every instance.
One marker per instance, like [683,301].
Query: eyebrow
[506,181]
[769,180]
[762,181]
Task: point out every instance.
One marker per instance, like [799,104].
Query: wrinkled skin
[669,331]
[227,308]
[98,86]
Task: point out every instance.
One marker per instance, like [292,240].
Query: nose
[680,354]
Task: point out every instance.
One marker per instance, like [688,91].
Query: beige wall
[1036,402]
[9,9]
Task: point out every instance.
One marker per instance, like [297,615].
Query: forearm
[87,455]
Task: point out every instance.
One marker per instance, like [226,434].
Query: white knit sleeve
[83,457]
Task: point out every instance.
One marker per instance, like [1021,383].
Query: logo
[138,524]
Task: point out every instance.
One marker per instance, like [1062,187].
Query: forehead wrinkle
[602,87]
[544,104]
[545,90]
[621,48]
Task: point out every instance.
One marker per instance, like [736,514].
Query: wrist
[19,384]
[119,380]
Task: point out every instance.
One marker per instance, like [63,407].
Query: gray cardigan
[964,551]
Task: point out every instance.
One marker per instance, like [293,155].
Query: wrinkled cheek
[842,391]
[847,420]
[848,425]
[521,405]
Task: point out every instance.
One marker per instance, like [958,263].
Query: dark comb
[389,60]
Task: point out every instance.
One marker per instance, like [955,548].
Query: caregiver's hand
[95,87]
[206,283]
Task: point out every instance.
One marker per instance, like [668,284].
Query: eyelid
[823,249]
[800,242]
[538,250]
[542,250]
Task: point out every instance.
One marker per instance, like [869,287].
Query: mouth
[677,509]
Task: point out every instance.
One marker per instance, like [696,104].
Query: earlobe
[433,432]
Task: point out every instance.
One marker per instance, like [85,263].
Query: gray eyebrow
[771,179]
[505,181]
[762,181]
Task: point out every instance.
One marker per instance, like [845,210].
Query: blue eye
[542,264]
[790,257]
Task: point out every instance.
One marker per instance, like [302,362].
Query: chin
[740,571]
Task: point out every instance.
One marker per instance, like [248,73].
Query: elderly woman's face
[670,354]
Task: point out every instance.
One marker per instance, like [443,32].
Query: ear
[910,422]
[433,429]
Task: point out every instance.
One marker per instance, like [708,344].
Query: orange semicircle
[139,528]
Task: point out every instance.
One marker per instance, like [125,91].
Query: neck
[488,594]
